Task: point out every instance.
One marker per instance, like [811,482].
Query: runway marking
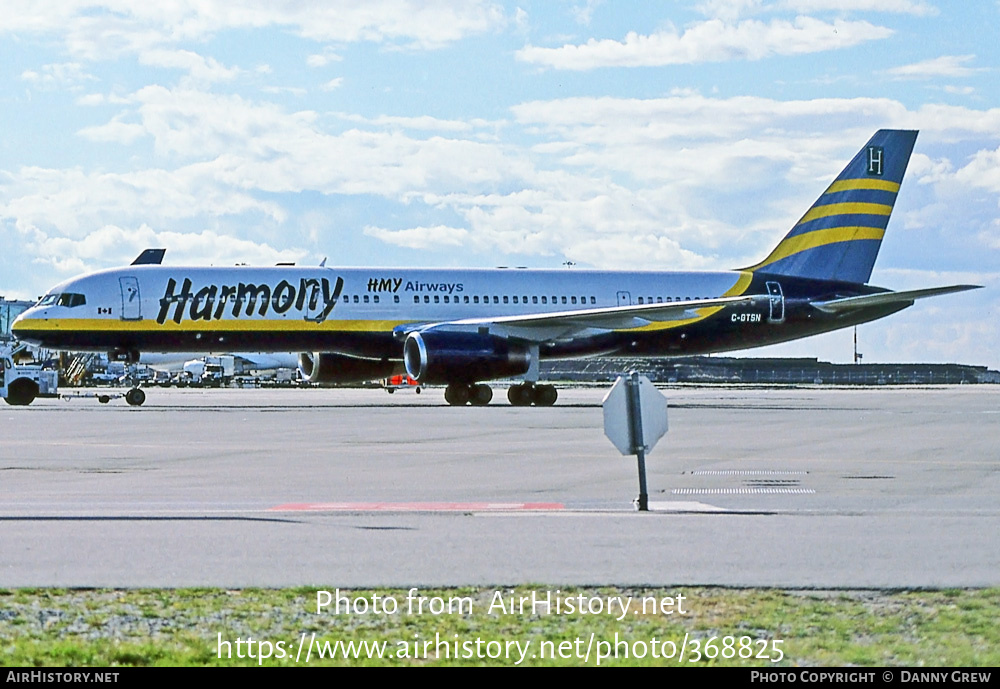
[743,491]
[417,507]
[746,472]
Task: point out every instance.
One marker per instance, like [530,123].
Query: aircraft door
[624,299]
[131,303]
[777,303]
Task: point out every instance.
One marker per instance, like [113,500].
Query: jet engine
[452,357]
[328,367]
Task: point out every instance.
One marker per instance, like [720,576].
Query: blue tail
[839,237]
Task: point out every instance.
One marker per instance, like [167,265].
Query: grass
[105,627]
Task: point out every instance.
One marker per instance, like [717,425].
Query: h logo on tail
[875,154]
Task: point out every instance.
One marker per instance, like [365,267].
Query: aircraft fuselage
[362,311]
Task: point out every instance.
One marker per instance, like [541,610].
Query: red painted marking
[416,506]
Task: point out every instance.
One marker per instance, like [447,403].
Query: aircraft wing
[539,327]
[846,304]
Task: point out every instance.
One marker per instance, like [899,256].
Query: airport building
[9,310]
[761,371]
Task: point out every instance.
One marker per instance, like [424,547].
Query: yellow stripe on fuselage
[224,326]
[738,289]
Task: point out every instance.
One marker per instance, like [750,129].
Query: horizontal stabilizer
[883,298]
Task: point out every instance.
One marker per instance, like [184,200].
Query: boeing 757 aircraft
[463,327]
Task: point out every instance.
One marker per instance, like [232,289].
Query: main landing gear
[520,395]
[526,394]
[459,394]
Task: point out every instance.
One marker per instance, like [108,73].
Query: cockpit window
[68,299]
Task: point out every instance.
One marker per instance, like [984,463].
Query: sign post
[635,418]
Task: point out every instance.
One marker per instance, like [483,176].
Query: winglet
[150,257]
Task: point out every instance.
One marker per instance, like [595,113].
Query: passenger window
[446,299]
[572,300]
[545,300]
[366,298]
[640,300]
[437,299]
[416,299]
[515,298]
[475,300]
[427,299]
[564,300]
[505,299]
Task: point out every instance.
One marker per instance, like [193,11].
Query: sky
[567,134]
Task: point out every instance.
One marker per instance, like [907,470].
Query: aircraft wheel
[135,397]
[520,395]
[457,395]
[390,390]
[103,399]
[21,392]
[545,395]
[417,391]
[481,395]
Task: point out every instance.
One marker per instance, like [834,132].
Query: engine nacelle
[445,357]
[327,367]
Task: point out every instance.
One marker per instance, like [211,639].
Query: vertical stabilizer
[839,237]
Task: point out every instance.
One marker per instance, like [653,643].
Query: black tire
[22,392]
[103,399]
[457,395]
[520,395]
[545,395]
[482,394]
[135,397]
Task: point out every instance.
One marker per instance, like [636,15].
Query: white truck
[20,384]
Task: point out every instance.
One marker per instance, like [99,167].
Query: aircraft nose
[21,327]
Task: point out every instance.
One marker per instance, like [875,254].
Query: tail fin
[839,237]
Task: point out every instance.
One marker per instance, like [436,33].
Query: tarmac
[752,487]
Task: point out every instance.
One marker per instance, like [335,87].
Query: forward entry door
[131,303]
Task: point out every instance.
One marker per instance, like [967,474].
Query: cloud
[115,131]
[710,41]
[953,66]
[58,76]
[105,29]
[201,70]
[113,245]
[420,237]
[914,7]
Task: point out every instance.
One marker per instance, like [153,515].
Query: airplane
[464,327]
